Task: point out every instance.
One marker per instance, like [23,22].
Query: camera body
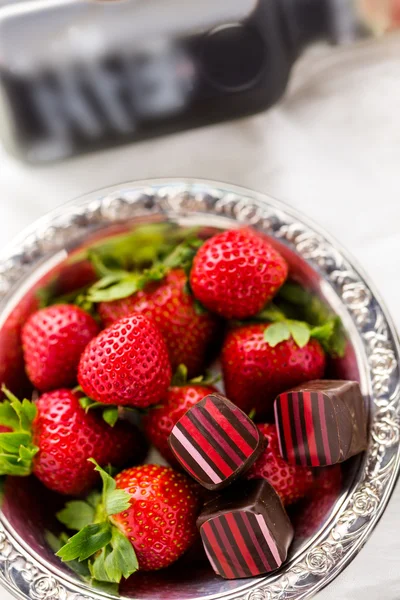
[81,75]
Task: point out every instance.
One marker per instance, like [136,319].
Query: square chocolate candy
[245,530]
[321,423]
[215,442]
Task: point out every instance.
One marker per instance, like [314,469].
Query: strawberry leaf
[323,333]
[300,332]
[199,309]
[331,337]
[17,448]
[276,333]
[8,416]
[118,289]
[93,498]
[142,246]
[182,256]
[56,543]
[10,464]
[25,411]
[97,568]
[306,316]
[114,500]
[121,561]
[302,305]
[110,413]
[11,442]
[294,293]
[87,403]
[271,313]
[180,376]
[110,589]
[76,514]
[86,542]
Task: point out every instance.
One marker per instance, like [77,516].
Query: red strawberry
[235,273]
[12,366]
[126,364]
[164,500]
[58,439]
[291,482]
[53,340]
[320,501]
[159,422]
[255,372]
[150,514]
[188,333]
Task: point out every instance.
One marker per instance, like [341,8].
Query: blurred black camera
[78,75]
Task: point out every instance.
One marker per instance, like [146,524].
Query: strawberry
[53,340]
[320,501]
[159,421]
[255,369]
[291,482]
[188,332]
[146,519]
[12,366]
[54,438]
[235,273]
[126,364]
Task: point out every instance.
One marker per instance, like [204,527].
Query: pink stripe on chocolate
[255,541]
[215,434]
[287,433]
[197,456]
[241,543]
[324,429]
[237,438]
[247,424]
[220,555]
[269,539]
[299,433]
[228,547]
[213,456]
[214,566]
[310,429]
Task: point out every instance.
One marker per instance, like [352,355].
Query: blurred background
[326,140]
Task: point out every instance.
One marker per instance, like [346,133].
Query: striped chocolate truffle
[215,442]
[245,531]
[321,423]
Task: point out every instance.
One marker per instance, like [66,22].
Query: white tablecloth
[332,150]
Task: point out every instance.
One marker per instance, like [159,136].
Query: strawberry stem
[109,553]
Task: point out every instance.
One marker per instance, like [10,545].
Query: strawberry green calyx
[328,334]
[109,412]
[180,378]
[109,553]
[116,283]
[17,449]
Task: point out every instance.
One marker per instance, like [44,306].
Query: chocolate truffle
[321,423]
[215,442]
[245,530]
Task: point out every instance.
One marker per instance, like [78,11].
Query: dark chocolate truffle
[215,442]
[321,423]
[245,531]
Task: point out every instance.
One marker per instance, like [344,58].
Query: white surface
[332,150]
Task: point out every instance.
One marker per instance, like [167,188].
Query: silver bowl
[28,567]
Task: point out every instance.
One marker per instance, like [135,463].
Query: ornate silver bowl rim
[375,339]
